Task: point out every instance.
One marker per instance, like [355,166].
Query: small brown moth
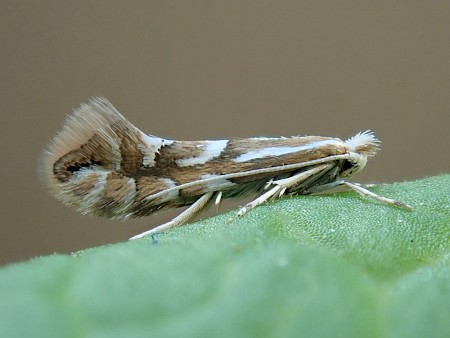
[101,164]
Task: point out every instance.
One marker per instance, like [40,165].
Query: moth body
[101,164]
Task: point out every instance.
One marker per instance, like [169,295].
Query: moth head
[353,165]
[89,162]
[361,147]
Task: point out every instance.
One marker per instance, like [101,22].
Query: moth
[101,164]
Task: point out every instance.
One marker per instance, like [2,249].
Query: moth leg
[181,218]
[281,186]
[218,198]
[261,199]
[363,192]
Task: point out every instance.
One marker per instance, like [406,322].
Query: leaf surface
[328,265]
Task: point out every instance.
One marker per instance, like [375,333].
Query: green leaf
[331,265]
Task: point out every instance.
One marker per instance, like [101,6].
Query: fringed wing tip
[94,116]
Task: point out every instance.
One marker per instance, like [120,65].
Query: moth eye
[349,169]
[347,166]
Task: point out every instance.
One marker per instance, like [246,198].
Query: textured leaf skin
[332,265]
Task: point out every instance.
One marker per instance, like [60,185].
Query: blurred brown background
[212,69]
